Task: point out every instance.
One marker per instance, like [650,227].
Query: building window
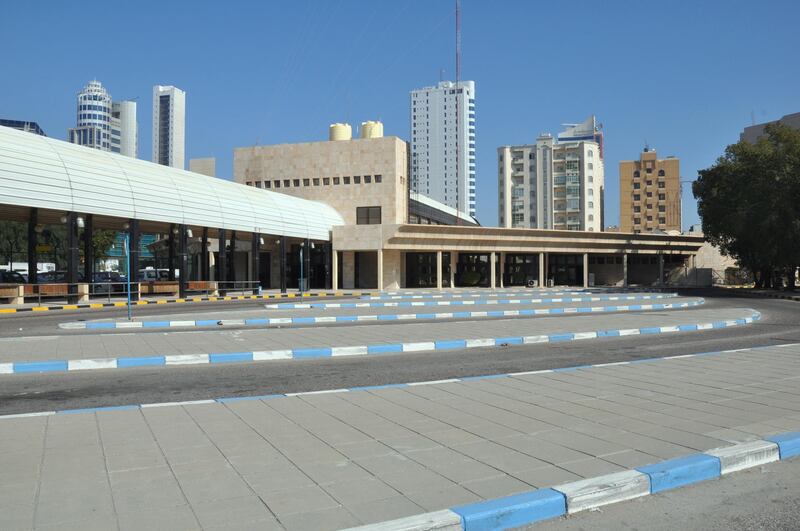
[356,179]
[258,184]
[661,173]
[649,183]
[296,183]
[637,209]
[662,197]
[336,180]
[636,197]
[661,184]
[346,179]
[662,221]
[649,218]
[591,217]
[637,221]
[277,184]
[378,178]
[367,179]
[636,174]
[315,181]
[368,215]
[326,181]
[636,186]
[286,183]
[649,194]
[590,154]
[591,166]
[662,208]
[306,182]
[649,170]
[267,184]
[248,183]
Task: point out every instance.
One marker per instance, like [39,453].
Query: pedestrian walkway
[320,461]
[123,351]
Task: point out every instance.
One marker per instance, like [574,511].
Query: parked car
[151,275]
[105,281]
[55,277]
[11,277]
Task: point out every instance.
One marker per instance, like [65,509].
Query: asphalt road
[27,393]
[764,498]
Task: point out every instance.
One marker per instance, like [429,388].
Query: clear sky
[684,76]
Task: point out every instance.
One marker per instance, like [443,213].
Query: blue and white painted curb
[570,498]
[476,302]
[355,350]
[471,294]
[329,319]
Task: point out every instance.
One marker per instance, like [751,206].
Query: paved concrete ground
[336,460]
[765,498]
[85,346]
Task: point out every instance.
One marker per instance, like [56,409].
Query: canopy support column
[88,250]
[72,257]
[133,249]
[33,256]
[183,261]
[282,261]
[255,251]
[222,260]
[205,270]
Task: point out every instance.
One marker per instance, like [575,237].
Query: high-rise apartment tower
[554,184]
[649,193]
[169,126]
[443,144]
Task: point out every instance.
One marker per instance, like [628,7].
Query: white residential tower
[554,184]
[443,144]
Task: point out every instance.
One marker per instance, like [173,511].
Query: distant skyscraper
[104,124]
[437,171]
[28,127]
[169,126]
[124,128]
[93,128]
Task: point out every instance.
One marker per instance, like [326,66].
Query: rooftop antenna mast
[458,99]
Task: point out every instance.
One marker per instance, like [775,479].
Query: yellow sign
[43,248]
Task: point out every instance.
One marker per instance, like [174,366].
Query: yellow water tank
[340,132]
[371,129]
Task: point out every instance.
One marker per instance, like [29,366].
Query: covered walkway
[215,235]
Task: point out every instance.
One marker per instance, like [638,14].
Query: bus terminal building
[330,214]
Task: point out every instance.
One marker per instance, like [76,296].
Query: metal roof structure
[41,172]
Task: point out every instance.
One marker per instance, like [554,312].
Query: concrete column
[453,260]
[255,255]
[542,272]
[231,273]
[328,265]
[133,249]
[660,269]
[307,266]
[502,268]
[183,261]
[222,259]
[492,270]
[439,270]
[282,262]
[334,269]
[624,270]
[72,256]
[585,270]
[88,250]
[205,268]
[171,255]
[33,257]
[380,269]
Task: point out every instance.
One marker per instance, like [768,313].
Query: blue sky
[684,76]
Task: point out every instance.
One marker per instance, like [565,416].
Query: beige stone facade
[345,174]
[649,194]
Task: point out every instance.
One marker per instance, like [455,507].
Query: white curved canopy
[41,172]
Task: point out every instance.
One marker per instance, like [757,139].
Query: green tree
[749,204]
[13,241]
